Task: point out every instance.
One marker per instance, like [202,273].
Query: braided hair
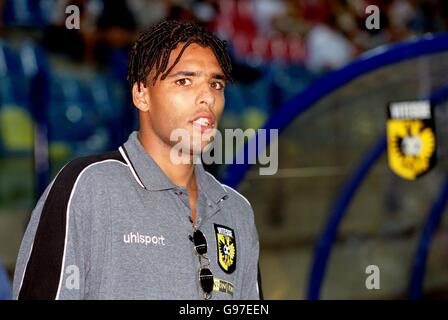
[154,45]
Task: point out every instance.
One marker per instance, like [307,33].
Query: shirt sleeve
[53,257]
[251,289]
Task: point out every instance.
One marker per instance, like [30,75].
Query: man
[134,224]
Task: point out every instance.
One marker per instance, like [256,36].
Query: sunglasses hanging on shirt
[205,275]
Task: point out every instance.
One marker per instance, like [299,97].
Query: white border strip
[226,186]
[130,167]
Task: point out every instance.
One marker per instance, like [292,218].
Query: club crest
[226,247]
[411,139]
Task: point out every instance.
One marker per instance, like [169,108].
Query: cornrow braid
[154,45]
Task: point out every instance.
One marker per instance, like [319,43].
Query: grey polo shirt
[114,226]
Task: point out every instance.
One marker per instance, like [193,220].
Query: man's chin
[188,146]
[192,153]
[199,150]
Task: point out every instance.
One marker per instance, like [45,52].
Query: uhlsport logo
[144,239]
[411,139]
[226,246]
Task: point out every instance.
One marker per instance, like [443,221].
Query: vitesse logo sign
[411,139]
[226,246]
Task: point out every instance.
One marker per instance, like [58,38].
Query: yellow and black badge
[411,138]
[226,246]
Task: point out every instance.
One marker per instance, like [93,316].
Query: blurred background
[308,67]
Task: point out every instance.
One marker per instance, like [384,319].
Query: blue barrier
[431,224]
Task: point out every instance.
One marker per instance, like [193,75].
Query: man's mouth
[203,122]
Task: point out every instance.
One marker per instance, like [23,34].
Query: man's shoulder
[237,197]
[80,180]
[93,167]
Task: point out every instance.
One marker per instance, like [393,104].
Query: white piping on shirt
[131,167]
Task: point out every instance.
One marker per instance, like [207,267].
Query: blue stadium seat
[71,116]
[28,13]
[118,63]
[11,74]
[106,97]
[15,117]
[33,58]
[109,101]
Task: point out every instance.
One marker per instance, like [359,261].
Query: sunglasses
[204,273]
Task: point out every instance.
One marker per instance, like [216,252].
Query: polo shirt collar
[145,170]
[209,185]
[151,177]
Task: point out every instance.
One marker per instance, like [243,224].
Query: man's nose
[205,96]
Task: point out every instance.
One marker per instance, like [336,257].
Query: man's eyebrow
[184,73]
[214,75]
[219,76]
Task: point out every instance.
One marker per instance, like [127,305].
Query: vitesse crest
[226,246]
[411,139]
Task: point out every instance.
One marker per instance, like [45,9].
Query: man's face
[190,98]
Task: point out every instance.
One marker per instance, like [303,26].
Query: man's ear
[140,98]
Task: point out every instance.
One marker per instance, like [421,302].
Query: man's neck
[179,174]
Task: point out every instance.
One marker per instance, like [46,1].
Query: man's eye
[183,82]
[217,85]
